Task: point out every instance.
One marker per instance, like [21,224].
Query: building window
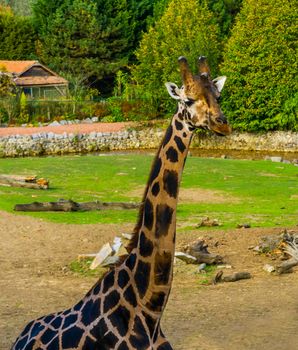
[28,91]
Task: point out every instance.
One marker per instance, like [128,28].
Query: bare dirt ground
[256,314]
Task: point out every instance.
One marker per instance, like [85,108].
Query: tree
[83,38]
[8,97]
[143,14]
[186,28]
[17,36]
[224,12]
[20,7]
[7,86]
[260,61]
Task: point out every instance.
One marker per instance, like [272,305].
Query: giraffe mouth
[222,128]
[219,134]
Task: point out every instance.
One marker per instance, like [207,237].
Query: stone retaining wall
[51,143]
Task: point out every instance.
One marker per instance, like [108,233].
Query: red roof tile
[17,67]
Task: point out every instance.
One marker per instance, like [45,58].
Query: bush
[260,61]
[121,110]
[186,28]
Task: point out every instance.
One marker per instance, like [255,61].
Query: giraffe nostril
[222,120]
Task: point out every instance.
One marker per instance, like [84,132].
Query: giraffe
[123,309]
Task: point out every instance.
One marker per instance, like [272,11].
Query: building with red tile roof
[36,80]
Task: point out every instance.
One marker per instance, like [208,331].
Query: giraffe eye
[189,102]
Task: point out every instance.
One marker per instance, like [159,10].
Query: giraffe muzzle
[220,126]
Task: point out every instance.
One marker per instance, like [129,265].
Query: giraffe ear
[173,90]
[220,82]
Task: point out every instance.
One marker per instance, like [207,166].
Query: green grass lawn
[266,192]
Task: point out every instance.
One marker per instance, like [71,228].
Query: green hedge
[260,61]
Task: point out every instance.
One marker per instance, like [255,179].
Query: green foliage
[261,65]
[120,110]
[20,7]
[7,86]
[8,97]
[83,38]
[261,193]
[205,278]
[158,10]
[187,29]
[23,116]
[17,36]
[82,267]
[224,12]
[140,11]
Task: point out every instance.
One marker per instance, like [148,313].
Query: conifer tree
[261,64]
[17,36]
[83,38]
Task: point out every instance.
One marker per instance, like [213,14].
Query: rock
[94,119]
[101,256]
[127,236]
[117,244]
[243,226]
[110,261]
[276,159]
[208,222]
[131,139]
[224,266]
[54,123]
[50,135]
[202,267]
[268,268]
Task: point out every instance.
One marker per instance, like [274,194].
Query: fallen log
[286,266]
[198,249]
[71,206]
[31,182]
[237,276]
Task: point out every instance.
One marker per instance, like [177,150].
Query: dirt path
[256,314]
[60,129]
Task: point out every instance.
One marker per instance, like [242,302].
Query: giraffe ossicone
[122,311]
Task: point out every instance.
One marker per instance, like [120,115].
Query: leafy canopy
[186,28]
[83,38]
[224,12]
[17,36]
[261,64]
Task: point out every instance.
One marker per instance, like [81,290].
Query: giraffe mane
[133,242]
[136,231]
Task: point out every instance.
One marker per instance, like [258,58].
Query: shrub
[186,28]
[260,61]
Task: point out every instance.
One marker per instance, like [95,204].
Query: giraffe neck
[156,242]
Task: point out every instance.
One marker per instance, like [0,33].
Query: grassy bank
[260,193]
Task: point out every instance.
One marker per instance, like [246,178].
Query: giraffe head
[199,98]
